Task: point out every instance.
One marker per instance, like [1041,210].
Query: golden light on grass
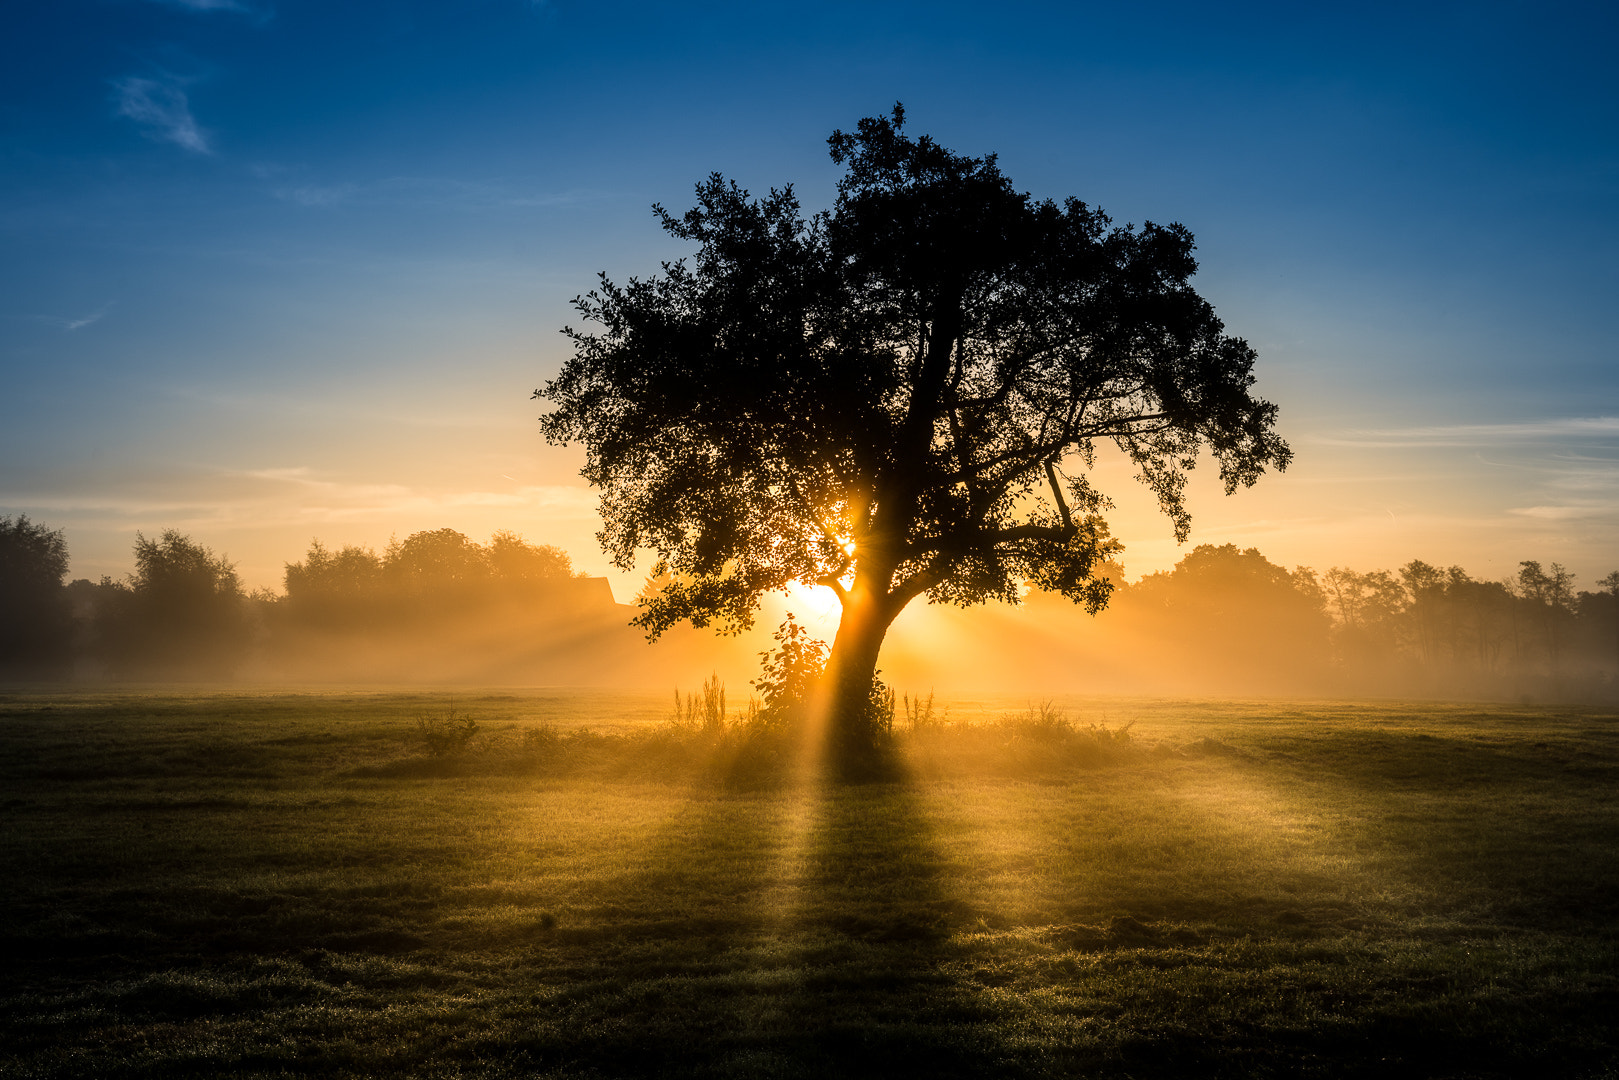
[1335,885]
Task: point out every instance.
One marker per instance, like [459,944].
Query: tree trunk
[850,671]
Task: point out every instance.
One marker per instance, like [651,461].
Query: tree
[896,398]
[340,588]
[515,562]
[427,576]
[34,626]
[1610,585]
[1551,597]
[1426,586]
[181,611]
[436,562]
[1235,615]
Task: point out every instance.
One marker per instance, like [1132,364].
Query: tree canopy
[429,574]
[898,397]
[180,612]
[33,616]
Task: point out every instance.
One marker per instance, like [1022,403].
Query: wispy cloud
[1591,427]
[161,109]
[298,496]
[316,194]
[326,409]
[72,324]
[322,499]
[237,6]
[1568,512]
[423,191]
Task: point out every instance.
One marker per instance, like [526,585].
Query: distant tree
[1235,612]
[335,588]
[1425,590]
[1551,600]
[898,398]
[436,562]
[1486,607]
[431,573]
[181,611]
[1603,608]
[514,562]
[34,623]
[1365,605]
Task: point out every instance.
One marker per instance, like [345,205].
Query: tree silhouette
[896,398]
[180,612]
[34,624]
[1611,586]
[429,572]
[1234,615]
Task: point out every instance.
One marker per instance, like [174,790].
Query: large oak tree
[897,398]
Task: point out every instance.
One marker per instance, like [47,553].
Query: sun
[816,605]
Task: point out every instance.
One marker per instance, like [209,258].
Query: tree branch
[1056,493]
[913,586]
[835,585]
[1031,532]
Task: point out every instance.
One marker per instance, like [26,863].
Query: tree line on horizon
[1224,617]
[183,611]
[1239,621]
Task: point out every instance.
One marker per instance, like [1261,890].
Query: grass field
[285,884]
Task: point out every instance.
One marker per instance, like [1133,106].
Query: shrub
[542,742]
[1039,741]
[790,674]
[1043,722]
[447,734]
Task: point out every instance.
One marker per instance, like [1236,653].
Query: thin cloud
[71,324]
[161,109]
[1566,512]
[316,195]
[327,408]
[297,496]
[424,191]
[235,6]
[319,498]
[1591,427]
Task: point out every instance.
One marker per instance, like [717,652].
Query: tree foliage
[429,574]
[181,612]
[1235,602]
[898,397]
[33,610]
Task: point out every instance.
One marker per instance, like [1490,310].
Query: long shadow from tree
[1341,951]
[817,943]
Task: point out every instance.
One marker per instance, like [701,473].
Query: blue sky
[279,270]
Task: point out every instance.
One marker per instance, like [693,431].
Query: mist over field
[441,609]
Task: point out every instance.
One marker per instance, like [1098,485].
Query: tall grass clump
[705,713]
[921,717]
[1039,740]
[445,734]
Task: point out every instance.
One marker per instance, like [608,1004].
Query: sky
[277,270]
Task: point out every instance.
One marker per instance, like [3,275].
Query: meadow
[359,884]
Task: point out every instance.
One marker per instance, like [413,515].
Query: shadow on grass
[1273,932]
[1226,914]
[1541,858]
[789,933]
